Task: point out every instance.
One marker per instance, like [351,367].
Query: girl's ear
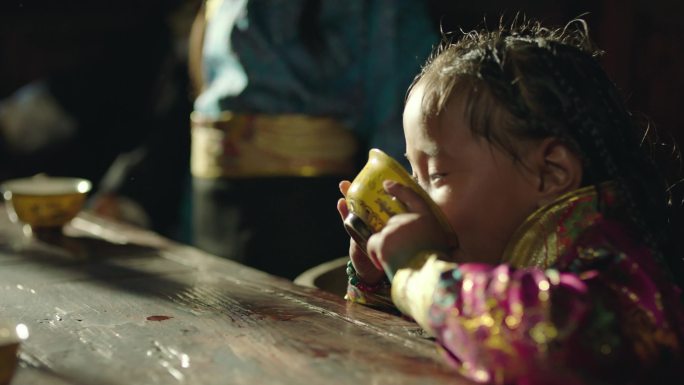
[559,169]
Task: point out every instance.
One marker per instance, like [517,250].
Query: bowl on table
[45,202]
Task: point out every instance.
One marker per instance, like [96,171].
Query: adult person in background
[291,94]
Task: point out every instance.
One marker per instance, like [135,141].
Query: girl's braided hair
[525,81]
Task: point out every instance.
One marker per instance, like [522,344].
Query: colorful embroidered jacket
[576,300]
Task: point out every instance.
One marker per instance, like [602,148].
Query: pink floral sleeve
[496,323]
[608,316]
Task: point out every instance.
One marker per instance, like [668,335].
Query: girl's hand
[365,269]
[407,234]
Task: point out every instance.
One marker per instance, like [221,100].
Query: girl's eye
[436,177]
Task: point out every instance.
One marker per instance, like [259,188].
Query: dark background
[124,39]
[124,56]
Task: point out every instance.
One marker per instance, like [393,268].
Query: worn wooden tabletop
[111,304]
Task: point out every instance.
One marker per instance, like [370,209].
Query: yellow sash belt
[243,145]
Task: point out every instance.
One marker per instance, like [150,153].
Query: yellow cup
[370,206]
[44,201]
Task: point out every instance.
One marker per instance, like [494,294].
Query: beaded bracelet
[354,280]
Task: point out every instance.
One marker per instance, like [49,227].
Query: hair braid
[602,162]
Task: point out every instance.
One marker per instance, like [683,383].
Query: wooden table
[112,304]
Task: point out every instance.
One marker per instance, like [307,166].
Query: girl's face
[484,194]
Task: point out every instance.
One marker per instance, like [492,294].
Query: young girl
[558,272]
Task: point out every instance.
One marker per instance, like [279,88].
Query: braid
[645,196]
[602,161]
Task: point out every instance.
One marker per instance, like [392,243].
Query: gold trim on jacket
[547,232]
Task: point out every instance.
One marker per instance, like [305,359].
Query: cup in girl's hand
[370,206]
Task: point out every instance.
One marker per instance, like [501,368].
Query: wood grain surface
[107,303]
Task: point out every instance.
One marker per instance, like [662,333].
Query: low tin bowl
[11,336]
[45,201]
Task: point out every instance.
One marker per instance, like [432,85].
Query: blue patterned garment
[351,60]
